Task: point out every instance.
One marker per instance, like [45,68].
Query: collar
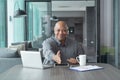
[59,43]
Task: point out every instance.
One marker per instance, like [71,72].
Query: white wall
[10,29]
[68,13]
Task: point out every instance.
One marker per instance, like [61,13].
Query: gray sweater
[71,49]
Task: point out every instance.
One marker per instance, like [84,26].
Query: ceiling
[71,5]
[68,5]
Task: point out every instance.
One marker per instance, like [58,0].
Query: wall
[10,11]
[68,13]
[91,34]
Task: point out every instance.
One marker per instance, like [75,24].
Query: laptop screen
[31,59]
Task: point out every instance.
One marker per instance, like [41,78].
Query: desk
[60,73]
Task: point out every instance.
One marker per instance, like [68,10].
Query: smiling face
[61,30]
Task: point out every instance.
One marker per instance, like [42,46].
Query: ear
[68,32]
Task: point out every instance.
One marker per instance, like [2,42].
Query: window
[2,23]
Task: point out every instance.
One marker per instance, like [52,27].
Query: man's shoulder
[69,39]
[73,41]
[50,39]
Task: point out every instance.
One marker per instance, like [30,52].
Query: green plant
[107,50]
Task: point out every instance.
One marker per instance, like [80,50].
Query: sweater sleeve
[47,52]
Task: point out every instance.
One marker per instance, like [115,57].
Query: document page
[86,68]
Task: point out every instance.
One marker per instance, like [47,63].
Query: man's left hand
[72,61]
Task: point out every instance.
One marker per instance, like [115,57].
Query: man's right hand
[57,58]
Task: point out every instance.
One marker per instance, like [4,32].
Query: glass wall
[15,26]
[3,23]
[116,10]
[107,44]
[15,30]
[38,20]
[18,29]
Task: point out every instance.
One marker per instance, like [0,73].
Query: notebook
[33,59]
[86,68]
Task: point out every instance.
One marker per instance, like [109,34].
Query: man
[60,48]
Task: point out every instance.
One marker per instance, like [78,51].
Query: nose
[61,32]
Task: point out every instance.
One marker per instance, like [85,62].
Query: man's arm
[49,54]
[79,50]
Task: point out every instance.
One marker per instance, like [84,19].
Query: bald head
[61,24]
[61,30]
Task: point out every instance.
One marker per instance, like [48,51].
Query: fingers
[57,58]
[72,61]
[58,61]
[58,53]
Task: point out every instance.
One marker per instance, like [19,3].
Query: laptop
[33,59]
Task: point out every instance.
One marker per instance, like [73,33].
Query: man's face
[60,32]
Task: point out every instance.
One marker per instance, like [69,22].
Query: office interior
[95,24]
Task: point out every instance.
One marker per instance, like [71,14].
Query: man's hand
[72,61]
[57,58]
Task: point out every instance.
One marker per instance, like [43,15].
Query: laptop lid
[31,59]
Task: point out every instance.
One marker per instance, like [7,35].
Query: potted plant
[104,52]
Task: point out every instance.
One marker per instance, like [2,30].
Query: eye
[65,30]
[58,30]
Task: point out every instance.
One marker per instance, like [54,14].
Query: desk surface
[60,73]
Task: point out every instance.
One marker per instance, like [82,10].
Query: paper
[86,68]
